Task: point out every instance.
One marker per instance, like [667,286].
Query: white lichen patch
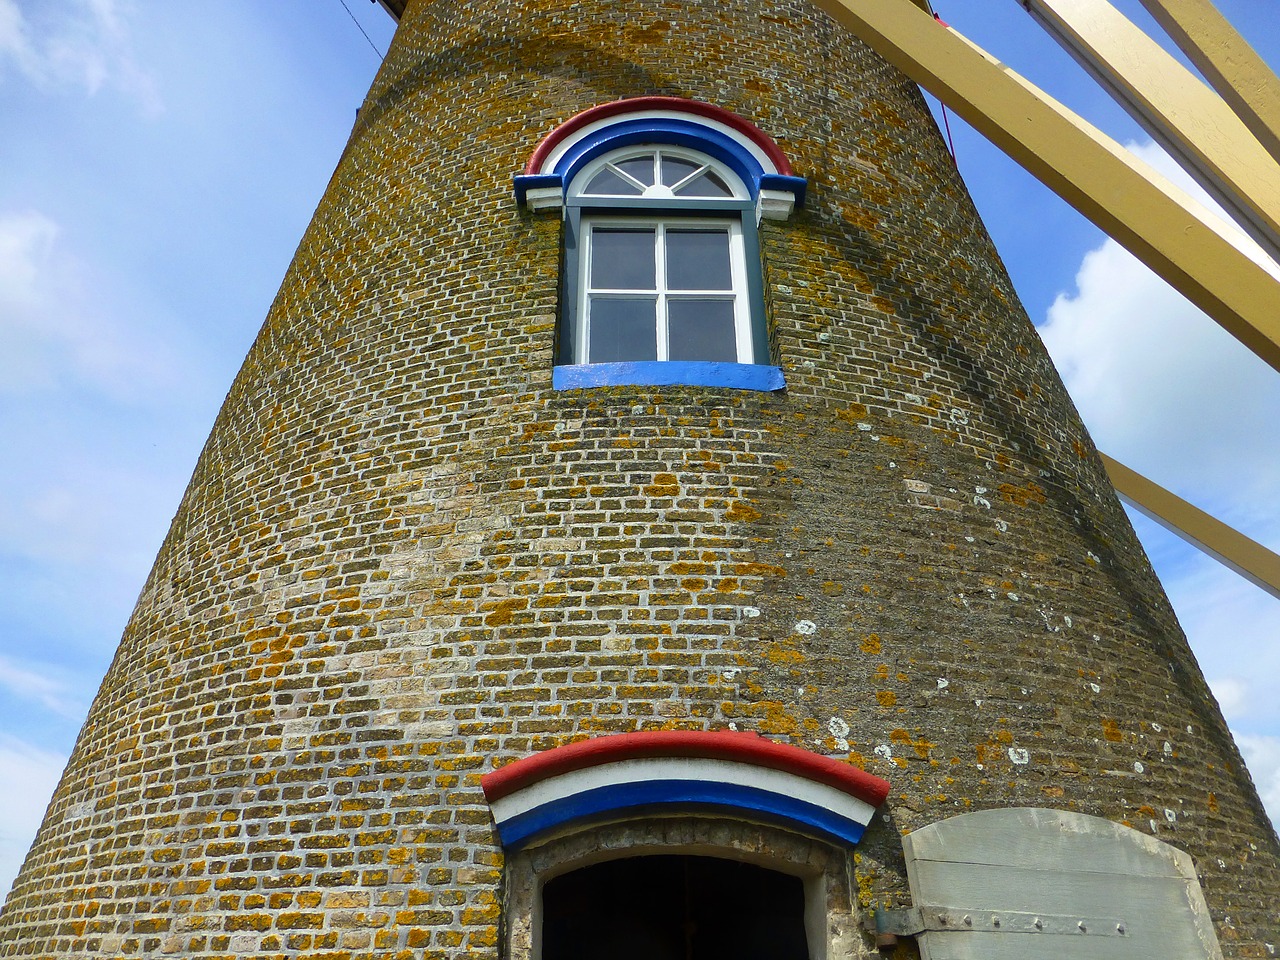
[840,731]
[805,627]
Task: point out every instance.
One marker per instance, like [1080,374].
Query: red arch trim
[747,748]
[675,105]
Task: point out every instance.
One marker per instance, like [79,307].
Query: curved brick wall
[404,559]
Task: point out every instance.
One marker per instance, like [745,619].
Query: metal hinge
[913,921]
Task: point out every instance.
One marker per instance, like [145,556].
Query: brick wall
[403,559]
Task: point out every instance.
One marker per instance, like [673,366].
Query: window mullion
[584,300]
[741,303]
[660,251]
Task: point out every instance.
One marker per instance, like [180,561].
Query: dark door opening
[673,908]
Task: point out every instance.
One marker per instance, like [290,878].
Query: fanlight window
[659,174]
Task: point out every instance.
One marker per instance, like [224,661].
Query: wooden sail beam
[1232,67]
[1246,557]
[1175,107]
[1157,222]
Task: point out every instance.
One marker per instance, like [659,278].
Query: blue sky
[158,164]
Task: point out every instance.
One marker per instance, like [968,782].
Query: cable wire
[361,29]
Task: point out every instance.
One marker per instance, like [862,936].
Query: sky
[158,165]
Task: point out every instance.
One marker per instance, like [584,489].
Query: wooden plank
[1232,67]
[1159,224]
[999,946]
[1182,114]
[1233,549]
[1032,837]
[1056,888]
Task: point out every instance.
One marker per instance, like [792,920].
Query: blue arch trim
[660,130]
[633,797]
[680,133]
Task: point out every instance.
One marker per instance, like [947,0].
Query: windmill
[475,609]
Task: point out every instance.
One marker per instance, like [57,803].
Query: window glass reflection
[701,330]
[609,184]
[623,329]
[707,185]
[639,167]
[622,259]
[698,260]
[674,170]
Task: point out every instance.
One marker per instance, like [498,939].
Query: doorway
[673,907]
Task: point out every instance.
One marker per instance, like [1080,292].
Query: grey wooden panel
[1059,864]
[982,886]
[1028,836]
[996,946]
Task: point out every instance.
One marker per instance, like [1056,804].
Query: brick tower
[645,406]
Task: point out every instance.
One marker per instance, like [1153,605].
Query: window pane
[675,170]
[707,185]
[639,167]
[622,330]
[622,259]
[698,260]
[609,184]
[701,330]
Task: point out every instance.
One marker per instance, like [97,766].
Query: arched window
[661,198]
[665,265]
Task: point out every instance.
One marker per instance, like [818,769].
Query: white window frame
[660,209]
[662,292]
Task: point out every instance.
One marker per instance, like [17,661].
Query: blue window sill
[664,373]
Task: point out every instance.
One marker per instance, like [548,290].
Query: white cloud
[54,329]
[1161,386]
[28,776]
[15,45]
[50,693]
[76,43]
[26,245]
[1233,626]
[1262,757]
[1232,694]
